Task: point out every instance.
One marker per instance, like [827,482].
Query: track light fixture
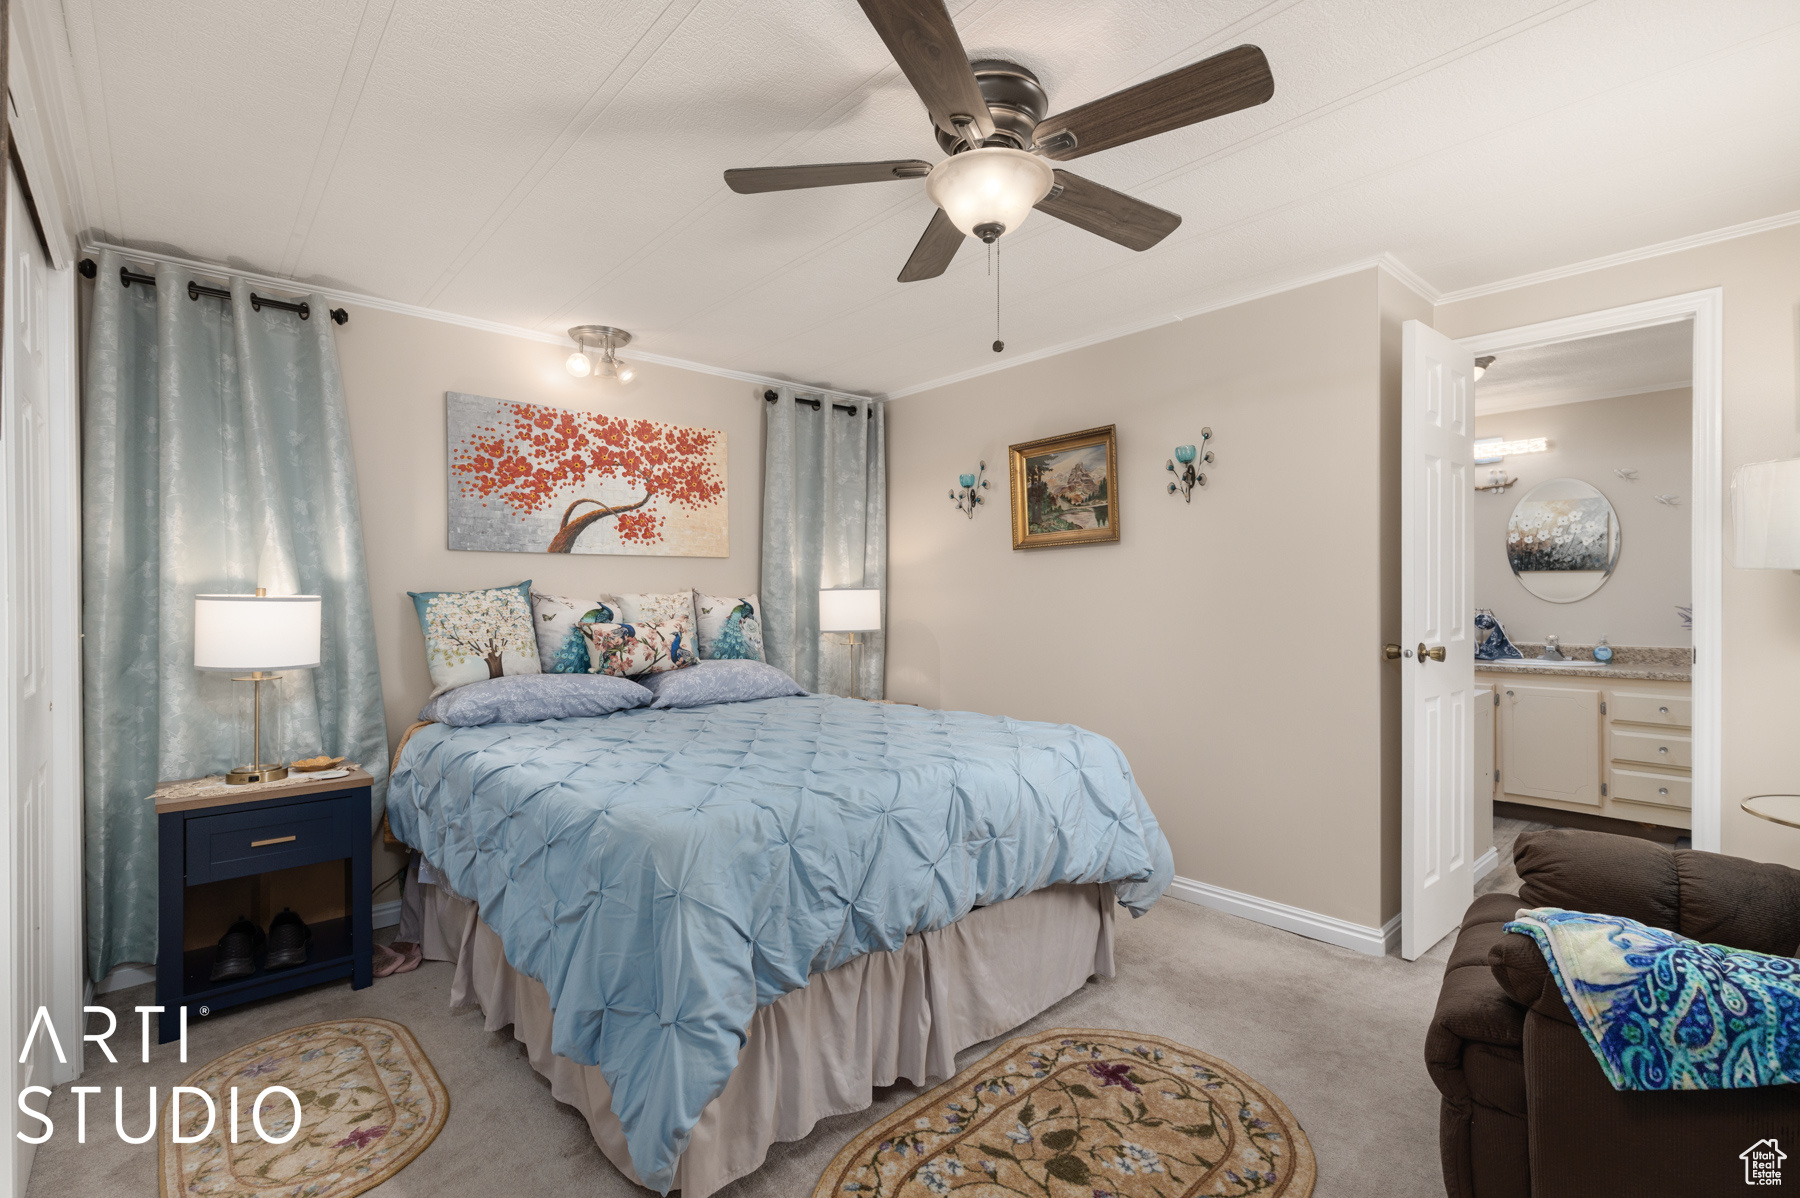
[597,352]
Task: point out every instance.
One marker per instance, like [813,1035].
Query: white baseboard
[125,977]
[1377,942]
[381,915]
[1487,863]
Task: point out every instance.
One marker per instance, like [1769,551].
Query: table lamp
[850,610]
[261,633]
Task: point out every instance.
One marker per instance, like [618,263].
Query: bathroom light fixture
[1492,449]
[604,340]
[988,192]
[1482,364]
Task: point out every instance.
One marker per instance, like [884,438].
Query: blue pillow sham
[718,681]
[527,698]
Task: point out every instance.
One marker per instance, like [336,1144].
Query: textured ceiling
[558,163]
[1659,358]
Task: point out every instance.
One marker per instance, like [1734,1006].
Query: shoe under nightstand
[231,851]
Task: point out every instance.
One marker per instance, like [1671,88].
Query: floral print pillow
[730,629]
[627,650]
[471,636]
[560,646]
[669,607]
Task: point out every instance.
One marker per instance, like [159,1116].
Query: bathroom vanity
[1613,741]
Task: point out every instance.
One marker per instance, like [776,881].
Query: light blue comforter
[665,872]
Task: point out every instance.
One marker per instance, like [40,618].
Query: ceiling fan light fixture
[989,189]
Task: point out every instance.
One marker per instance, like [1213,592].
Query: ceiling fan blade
[922,39]
[1112,214]
[750,180]
[1238,78]
[931,257]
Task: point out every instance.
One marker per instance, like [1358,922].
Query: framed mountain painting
[531,479]
[1065,489]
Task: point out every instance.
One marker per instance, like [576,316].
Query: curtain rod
[127,277]
[770,396]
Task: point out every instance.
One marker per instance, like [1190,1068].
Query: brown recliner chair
[1526,1112]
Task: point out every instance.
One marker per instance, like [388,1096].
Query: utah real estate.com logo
[1762,1163]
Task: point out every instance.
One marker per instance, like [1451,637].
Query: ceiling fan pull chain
[994,260]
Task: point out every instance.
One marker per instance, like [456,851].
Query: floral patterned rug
[1083,1113]
[369,1099]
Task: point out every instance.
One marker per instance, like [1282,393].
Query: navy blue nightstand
[212,834]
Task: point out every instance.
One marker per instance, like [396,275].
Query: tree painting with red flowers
[547,464]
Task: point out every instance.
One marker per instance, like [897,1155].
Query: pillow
[527,698]
[729,628]
[472,636]
[720,682]
[677,606]
[560,647]
[626,650]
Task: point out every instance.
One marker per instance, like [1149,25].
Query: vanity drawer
[1653,748]
[1661,790]
[261,840]
[1674,711]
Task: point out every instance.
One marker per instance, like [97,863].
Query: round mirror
[1563,540]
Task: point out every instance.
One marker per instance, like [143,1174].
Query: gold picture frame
[1065,490]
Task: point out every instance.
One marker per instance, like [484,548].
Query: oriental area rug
[1083,1113]
[369,1103]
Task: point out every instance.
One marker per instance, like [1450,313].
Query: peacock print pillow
[560,646]
[627,650]
[730,629]
[471,636]
[666,607]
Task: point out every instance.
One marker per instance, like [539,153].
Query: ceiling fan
[989,117]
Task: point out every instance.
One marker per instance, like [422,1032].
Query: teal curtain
[824,525]
[216,458]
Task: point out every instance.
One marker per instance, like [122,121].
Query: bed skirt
[821,1050]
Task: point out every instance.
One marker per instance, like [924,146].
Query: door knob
[1435,653]
[1392,652]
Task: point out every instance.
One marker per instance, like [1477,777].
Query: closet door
[1550,743]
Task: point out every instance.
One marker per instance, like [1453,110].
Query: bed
[713,926]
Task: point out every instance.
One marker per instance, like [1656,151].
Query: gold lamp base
[255,773]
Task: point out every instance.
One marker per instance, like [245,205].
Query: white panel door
[1437,462]
[25,454]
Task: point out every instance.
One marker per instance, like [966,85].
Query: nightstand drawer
[1651,748]
[260,840]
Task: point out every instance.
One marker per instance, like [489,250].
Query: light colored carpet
[1337,1034]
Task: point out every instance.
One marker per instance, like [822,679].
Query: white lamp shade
[849,610]
[989,187]
[256,632]
[1765,515]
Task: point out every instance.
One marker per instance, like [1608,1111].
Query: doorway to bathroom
[1561,541]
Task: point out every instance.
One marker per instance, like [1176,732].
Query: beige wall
[396,371]
[1652,434]
[1760,278]
[1226,645]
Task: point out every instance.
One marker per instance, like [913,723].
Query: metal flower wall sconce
[970,496]
[1187,478]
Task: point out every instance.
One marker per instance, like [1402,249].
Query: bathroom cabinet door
[1550,743]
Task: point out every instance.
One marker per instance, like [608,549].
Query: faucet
[1551,652]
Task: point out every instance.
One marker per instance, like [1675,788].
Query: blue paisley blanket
[664,873]
[1663,1012]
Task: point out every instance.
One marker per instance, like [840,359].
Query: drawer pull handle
[1663,749]
[257,844]
[1662,790]
[1663,710]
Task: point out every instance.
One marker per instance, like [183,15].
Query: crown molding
[1728,233]
[360,300]
[1525,405]
[1385,262]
